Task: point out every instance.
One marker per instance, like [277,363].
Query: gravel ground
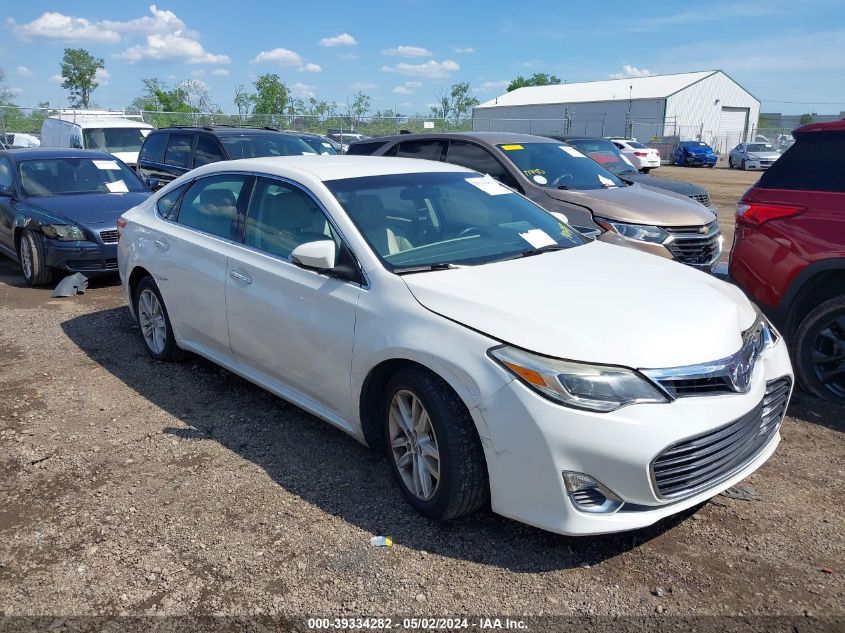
[135,487]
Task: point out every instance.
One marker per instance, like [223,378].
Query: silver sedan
[753,156]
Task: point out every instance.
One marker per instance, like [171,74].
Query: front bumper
[533,440]
[758,164]
[81,257]
[699,161]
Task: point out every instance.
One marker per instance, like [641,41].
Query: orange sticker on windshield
[508,148]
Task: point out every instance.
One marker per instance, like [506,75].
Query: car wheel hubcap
[828,356]
[413,445]
[26,258]
[151,319]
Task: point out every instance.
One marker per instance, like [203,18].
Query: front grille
[109,236]
[690,246]
[705,460]
[703,198]
[82,265]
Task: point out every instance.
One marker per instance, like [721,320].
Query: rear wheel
[33,259]
[154,321]
[433,446]
[820,350]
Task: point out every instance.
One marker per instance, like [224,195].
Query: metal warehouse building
[706,105]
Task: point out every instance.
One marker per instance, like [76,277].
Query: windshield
[271,144]
[320,146]
[604,153]
[759,147]
[115,139]
[430,219]
[559,166]
[695,144]
[61,176]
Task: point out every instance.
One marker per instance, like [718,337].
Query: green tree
[456,103]
[806,118]
[360,106]
[6,94]
[243,100]
[79,70]
[537,79]
[271,95]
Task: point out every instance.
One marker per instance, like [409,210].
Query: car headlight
[639,232]
[599,388]
[63,232]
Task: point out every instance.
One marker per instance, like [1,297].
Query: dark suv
[167,153]
[789,253]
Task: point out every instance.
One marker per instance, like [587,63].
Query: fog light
[590,495]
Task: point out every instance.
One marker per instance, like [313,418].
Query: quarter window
[211,205]
[281,217]
[815,163]
[477,158]
[166,205]
[207,152]
[179,150]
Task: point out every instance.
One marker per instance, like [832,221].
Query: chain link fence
[14,120]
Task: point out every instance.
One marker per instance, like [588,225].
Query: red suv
[789,253]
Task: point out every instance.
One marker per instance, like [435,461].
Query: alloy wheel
[413,445]
[151,320]
[828,356]
[26,257]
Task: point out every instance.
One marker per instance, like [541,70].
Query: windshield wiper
[408,270]
[548,248]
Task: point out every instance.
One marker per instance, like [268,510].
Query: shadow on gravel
[320,464]
[808,408]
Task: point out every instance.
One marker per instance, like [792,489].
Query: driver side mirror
[319,255]
[153,183]
[7,191]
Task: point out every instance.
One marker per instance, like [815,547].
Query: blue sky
[404,52]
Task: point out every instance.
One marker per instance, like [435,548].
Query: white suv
[489,348]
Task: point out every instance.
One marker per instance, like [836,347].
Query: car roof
[577,137]
[327,167]
[219,131]
[31,153]
[488,138]
[828,126]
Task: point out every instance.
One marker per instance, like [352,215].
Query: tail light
[759,212]
[643,154]
[121,224]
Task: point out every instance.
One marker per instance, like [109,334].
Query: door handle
[242,277]
[161,245]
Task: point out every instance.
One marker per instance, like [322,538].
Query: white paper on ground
[571,151]
[106,164]
[538,238]
[118,186]
[488,185]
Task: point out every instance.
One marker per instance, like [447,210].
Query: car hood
[89,208]
[594,303]
[638,205]
[678,186]
[765,155]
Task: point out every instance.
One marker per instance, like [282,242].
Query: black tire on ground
[646,170]
[31,244]
[819,351]
[463,486]
[743,164]
[730,162]
[171,352]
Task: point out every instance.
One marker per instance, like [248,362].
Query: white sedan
[487,347]
[753,156]
[643,157]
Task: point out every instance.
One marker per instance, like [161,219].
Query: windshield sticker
[106,164]
[540,180]
[571,151]
[565,231]
[118,186]
[510,148]
[538,238]
[326,144]
[606,182]
[489,186]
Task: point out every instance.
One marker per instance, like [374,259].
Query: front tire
[33,259]
[156,330]
[433,446]
[820,351]
[744,168]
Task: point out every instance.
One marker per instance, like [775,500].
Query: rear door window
[207,151]
[427,150]
[211,204]
[153,148]
[815,163]
[179,150]
[474,157]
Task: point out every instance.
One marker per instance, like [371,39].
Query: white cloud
[490,86]
[407,51]
[362,85]
[344,39]
[303,90]
[407,88]
[57,78]
[280,56]
[23,71]
[102,76]
[312,68]
[57,26]
[160,21]
[464,51]
[430,70]
[631,71]
[220,72]
[171,47]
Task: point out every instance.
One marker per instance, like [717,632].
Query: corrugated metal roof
[654,87]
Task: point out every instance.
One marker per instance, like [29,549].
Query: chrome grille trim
[109,236]
[703,198]
[689,245]
[707,459]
